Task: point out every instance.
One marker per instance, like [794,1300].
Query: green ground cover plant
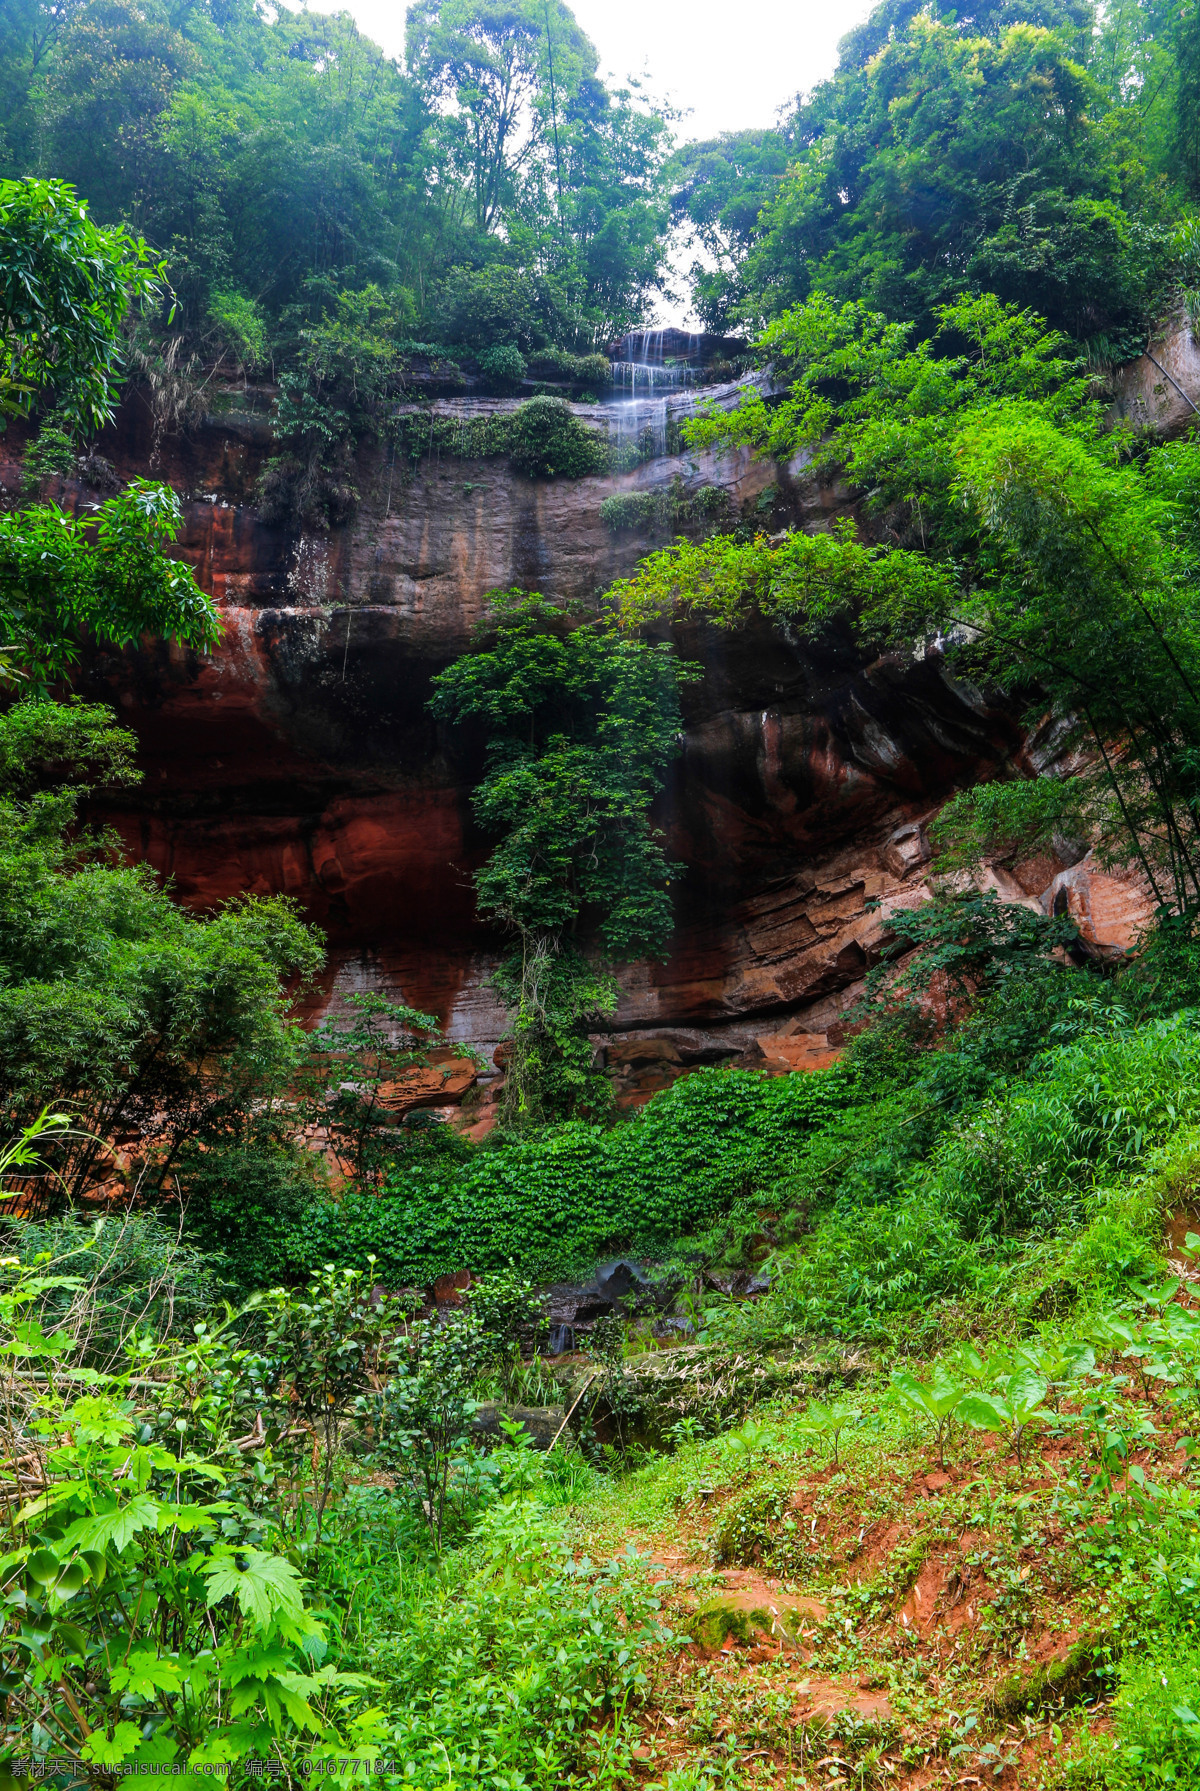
[578,1190]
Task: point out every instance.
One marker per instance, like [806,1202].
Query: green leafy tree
[580,726]
[496,174]
[492,62]
[423,1415]
[66,287]
[106,576]
[351,1063]
[332,396]
[719,189]
[1030,545]
[115,68]
[995,148]
[573,171]
[321,1349]
[146,1023]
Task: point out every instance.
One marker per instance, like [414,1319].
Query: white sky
[728,66]
[732,64]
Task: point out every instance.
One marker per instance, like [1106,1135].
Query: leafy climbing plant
[580,723]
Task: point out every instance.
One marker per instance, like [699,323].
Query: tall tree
[488,62]
[719,189]
[989,148]
[579,725]
[116,67]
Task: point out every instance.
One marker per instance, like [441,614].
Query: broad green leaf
[983,1411]
[111,1750]
[159,1749]
[116,1528]
[260,1663]
[267,1588]
[187,1518]
[218,1750]
[1025,1393]
[29,1339]
[146,1673]
[43,1566]
[70,1640]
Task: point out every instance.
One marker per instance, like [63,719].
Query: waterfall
[658,378]
[643,379]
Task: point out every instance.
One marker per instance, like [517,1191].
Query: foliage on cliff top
[262,151]
[66,286]
[1039,151]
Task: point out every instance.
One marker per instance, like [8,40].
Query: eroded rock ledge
[301,758]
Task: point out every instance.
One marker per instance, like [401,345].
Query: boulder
[798,1051]
[440,1083]
[1111,909]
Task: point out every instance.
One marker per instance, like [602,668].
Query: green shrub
[1026,1158]
[503,366]
[480,306]
[593,370]
[565,1195]
[181,1630]
[244,1206]
[240,325]
[1165,974]
[130,1272]
[51,451]
[519,1664]
[864,1263]
[547,440]
[629,510]
[666,510]
[542,437]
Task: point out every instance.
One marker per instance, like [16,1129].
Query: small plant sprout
[1014,1406]
[829,1421]
[936,1400]
[685,1431]
[745,1443]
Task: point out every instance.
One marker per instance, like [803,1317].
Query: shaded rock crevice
[301,758]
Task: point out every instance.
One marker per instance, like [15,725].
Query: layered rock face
[300,757]
[1160,390]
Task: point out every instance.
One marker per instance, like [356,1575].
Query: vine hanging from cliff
[580,724]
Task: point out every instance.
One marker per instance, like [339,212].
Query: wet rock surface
[300,756]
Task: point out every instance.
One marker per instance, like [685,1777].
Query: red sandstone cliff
[300,757]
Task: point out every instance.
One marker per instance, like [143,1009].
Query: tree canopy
[1038,151]
[261,152]
[579,725]
[1006,522]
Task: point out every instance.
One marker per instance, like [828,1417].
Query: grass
[846,1585]
[925,1513]
[891,1619]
